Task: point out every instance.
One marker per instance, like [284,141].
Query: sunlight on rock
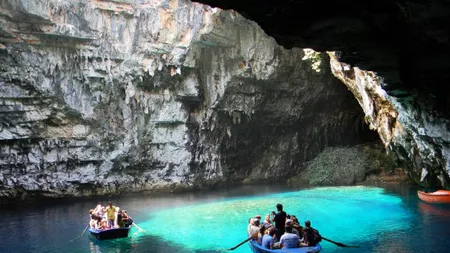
[314,57]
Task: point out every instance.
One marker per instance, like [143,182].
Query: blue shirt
[289,240]
[267,241]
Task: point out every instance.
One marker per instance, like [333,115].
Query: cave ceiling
[405,42]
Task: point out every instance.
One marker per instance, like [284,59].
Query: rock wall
[404,42]
[337,166]
[406,123]
[107,97]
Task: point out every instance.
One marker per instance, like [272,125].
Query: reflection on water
[441,210]
[380,220]
[94,248]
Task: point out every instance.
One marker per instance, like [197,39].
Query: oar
[246,240]
[85,229]
[140,229]
[340,244]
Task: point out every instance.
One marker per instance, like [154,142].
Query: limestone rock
[416,133]
[336,166]
[108,97]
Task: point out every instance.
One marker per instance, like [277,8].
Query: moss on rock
[346,165]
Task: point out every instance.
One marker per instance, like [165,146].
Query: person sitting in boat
[126,218]
[267,223]
[290,224]
[262,230]
[92,221]
[97,209]
[289,239]
[111,214]
[268,239]
[120,221]
[102,224]
[116,220]
[250,224]
[309,239]
[93,224]
[254,228]
[100,211]
[296,225]
[98,222]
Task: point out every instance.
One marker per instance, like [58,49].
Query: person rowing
[123,219]
[310,236]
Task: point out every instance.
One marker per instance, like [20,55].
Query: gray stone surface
[109,97]
[409,127]
[337,166]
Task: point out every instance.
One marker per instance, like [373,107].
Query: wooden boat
[256,248]
[440,196]
[112,233]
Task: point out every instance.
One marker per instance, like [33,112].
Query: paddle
[340,244]
[85,229]
[246,240]
[140,229]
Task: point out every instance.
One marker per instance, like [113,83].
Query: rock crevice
[108,97]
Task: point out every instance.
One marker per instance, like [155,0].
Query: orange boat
[440,196]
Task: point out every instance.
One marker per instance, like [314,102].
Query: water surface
[389,219]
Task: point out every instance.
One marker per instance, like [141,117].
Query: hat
[288,221]
[258,216]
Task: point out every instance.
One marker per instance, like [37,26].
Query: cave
[406,43]
[108,97]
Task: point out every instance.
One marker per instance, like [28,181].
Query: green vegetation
[346,165]
[314,57]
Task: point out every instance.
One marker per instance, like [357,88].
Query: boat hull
[256,248]
[440,196]
[108,234]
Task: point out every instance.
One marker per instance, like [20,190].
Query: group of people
[107,217]
[280,230]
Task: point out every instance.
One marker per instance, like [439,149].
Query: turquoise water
[377,219]
[331,210]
